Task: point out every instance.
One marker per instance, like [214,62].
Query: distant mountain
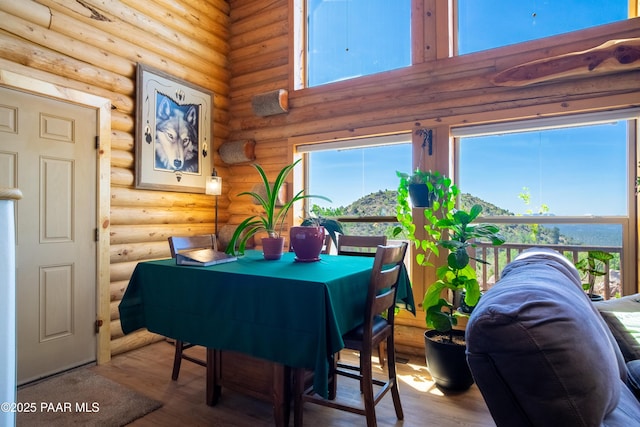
[383,203]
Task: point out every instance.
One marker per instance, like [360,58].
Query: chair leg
[366,386]
[381,354]
[177,360]
[391,367]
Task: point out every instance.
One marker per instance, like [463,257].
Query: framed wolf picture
[173,133]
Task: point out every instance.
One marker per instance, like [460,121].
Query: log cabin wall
[240,48]
[93,46]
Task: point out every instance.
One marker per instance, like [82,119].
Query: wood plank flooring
[148,371]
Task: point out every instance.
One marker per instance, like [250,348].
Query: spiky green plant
[274,216]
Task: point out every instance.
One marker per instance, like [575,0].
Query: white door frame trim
[102,106]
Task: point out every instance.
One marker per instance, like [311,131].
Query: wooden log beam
[194,26]
[161,32]
[122,141]
[121,234]
[147,198]
[139,45]
[122,159]
[160,215]
[609,57]
[116,329]
[138,251]
[133,341]
[122,270]
[119,101]
[117,289]
[121,177]
[28,10]
[72,47]
[32,55]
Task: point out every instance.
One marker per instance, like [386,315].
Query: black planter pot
[447,362]
[461,304]
[595,297]
[419,195]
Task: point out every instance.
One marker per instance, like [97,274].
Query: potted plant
[443,201]
[308,238]
[272,220]
[445,346]
[593,265]
[420,185]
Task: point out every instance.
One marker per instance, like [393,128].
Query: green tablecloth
[284,311]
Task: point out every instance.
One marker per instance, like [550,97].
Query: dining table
[284,311]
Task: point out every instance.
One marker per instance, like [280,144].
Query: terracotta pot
[447,362]
[272,247]
[307,242]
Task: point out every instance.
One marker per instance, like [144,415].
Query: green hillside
[383,203]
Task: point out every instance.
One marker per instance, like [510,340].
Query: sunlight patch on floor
[420,380]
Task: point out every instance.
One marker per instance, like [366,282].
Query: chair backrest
[201,241]
[381,297]
[360,245]
[326,247]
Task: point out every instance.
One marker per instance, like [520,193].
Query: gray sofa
[542,355]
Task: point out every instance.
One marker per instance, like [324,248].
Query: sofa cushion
[538,350]
[623,318]
[633,380]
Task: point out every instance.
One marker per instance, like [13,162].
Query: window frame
[627,221]
[299,57]
[304,149]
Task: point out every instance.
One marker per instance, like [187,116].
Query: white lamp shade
[214,186]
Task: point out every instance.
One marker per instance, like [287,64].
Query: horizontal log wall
[434,93]
[93,46]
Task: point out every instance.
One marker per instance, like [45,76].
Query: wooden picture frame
[173,133]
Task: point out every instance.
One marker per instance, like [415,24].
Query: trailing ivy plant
[443,194]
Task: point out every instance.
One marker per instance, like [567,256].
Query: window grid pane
[352,38]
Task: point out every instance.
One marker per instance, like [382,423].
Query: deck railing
[499,256]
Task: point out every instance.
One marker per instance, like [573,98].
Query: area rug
[80,397]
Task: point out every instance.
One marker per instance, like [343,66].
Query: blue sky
[588,162]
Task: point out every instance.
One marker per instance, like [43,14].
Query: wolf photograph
[176,139]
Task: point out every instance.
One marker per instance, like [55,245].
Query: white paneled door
[48,151]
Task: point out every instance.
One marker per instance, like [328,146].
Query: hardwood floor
[148,371]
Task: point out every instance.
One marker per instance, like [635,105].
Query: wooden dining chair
[381,298]
[179,244]
[359,245]
[362,246]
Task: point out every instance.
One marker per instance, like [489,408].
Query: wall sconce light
[214,184]
[214,188]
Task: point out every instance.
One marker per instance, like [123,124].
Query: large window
[564,183]
[486,24]
[351,38]
[359,176]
